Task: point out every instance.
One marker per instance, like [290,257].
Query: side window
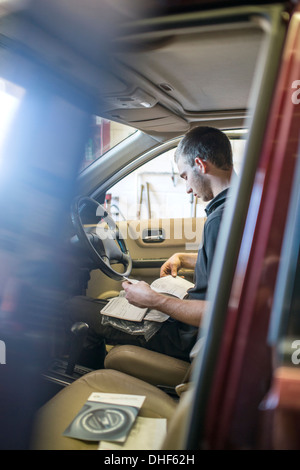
[155,190]
[103,136]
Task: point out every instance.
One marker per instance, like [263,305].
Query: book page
[176,286]
[156,315]
[146,434]
[119,307]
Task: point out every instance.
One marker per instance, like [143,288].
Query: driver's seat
[158,369]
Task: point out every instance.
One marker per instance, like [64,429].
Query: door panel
[150,243]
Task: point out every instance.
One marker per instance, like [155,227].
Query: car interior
[103,93]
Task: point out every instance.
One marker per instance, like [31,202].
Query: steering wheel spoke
[103,241]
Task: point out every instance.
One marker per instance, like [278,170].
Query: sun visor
[156,118]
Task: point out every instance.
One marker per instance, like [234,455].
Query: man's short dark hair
[207,143]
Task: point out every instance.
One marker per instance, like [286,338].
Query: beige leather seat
[54,417]
[150,366]
[145,370]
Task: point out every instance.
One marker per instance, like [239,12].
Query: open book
[119,307]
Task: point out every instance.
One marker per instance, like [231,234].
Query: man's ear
[201,165]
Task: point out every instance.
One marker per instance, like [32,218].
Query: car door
[155,215]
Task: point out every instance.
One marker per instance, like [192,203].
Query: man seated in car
[204,160]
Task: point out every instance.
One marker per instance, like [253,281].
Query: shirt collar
[216,202]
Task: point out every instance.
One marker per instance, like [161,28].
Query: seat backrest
[178,424]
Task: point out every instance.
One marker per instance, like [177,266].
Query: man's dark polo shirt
[214,211]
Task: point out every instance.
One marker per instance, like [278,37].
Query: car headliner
[160,74]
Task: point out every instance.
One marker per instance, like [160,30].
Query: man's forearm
[188,260]
[186,311]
